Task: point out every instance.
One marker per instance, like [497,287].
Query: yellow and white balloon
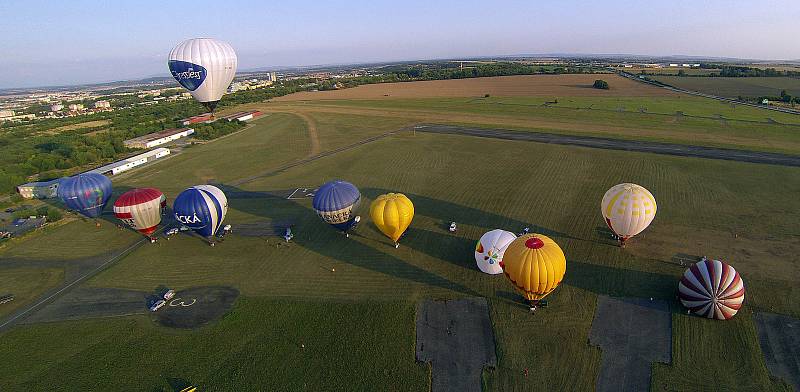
[628,209]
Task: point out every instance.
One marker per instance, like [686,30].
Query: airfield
[325,312]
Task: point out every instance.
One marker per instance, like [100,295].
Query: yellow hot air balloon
[535,265]
[392,213]
[628,209]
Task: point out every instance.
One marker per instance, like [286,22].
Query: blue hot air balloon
[201,208]
[336,202]
[85,193]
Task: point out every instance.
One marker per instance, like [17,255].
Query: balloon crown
[534,243]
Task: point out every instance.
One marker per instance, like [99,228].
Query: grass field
[357,322]
[734,87]
[26,284]
[684,120]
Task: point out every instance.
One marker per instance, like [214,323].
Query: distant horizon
[83,42]
[268,68]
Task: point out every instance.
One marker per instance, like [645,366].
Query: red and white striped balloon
[140,209]
[713,289]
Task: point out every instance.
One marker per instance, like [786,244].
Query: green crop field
[351,302]
[684,120]
[734,87]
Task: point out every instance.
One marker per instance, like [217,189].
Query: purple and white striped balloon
[713,289]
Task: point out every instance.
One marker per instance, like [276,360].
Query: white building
[6,113]
[129,163]
[158,138]
[56,108]
[74,107]
[102,104]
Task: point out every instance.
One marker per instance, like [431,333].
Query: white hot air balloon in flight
[205,67]
[628,209]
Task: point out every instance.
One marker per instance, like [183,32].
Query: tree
[681,73]
[600,84]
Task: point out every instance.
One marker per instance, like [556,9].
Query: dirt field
[456,338]
[633,333]
[72,127]
[780,340]
[501,86]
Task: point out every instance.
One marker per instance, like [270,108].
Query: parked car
[156,305]
[171,231]
[169,294]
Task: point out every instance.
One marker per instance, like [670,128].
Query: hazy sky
[69,42]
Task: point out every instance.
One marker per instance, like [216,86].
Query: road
[619,144]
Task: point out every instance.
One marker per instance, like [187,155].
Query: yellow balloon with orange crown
[535,265]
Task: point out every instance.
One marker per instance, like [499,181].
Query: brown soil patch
[503,86]
[313,135]
[87,124]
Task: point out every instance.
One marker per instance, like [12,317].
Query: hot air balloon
[490,249]
[713,289]
[140,209]
[335,202]
[392,213]
[205,67]
[85,193]
[201,208]
[535,265]
[628,209]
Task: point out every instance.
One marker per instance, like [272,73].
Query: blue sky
[69,42]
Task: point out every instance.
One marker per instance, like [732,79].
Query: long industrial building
[48,189]
[243,116]
[129,163]
[158,138]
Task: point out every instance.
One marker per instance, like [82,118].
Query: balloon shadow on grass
[311,233]
[446,211]
[619,282]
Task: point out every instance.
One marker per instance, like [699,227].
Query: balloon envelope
[712,289]
[535,265]
[140,209]
[392,214]
[201,208]
[628,209]
[205,67]
[335,202]
[85,193]
[490,249]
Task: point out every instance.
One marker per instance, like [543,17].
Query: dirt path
[313,135]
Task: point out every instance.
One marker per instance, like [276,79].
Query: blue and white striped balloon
[335,202]
[85,193]
[201,208]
